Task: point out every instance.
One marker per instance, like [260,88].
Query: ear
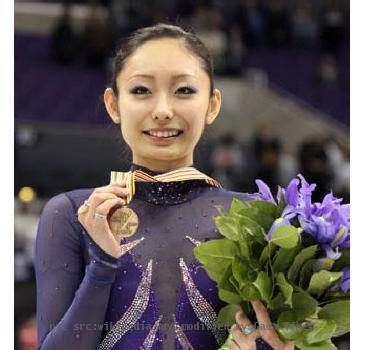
[214,107]
[111,105]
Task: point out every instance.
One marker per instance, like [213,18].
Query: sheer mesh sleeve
[72,297]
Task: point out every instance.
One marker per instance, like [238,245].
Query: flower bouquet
[290,253]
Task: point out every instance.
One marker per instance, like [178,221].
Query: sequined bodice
[156,296]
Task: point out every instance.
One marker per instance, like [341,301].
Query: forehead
[163,56]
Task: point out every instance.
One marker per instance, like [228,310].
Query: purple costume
[155,296]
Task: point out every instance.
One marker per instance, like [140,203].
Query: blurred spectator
[97,37]
[266,149]
[278,24]
[207,21]
[314,165]
[339,161]
[250,17]
[64,41]
[27,334]
[236,51]
[332,23]
[287,168]
[327,71]
[227,162]
[305,29]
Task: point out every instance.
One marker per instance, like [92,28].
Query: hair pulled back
[135,40]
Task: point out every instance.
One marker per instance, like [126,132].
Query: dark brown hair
[131,43]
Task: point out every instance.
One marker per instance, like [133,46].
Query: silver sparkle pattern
[194,241]
[203,310]
[128,246]
[181,337]
[150,339]
[133,313]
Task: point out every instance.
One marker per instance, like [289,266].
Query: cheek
[194,115]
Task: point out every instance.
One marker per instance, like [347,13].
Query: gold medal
[124,222]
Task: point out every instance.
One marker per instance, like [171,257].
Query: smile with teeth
[163,134]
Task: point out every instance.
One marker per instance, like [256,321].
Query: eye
[186,90]
[139,90]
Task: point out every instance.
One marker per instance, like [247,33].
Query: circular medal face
[124,222]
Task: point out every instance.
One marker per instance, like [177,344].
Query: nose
[162,109]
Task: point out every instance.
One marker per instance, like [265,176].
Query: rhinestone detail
[203,310]
[194,241]
[181,337]
[128,246]
[150,339]
[133,313]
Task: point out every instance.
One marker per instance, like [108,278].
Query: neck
[160,166]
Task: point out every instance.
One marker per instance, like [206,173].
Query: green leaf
[304,305]
[284,258]
[323,329]
[226,289]
[339,312]
[216,255]
[237,206]
[226,315]
[323,345]
[265,207]
[264,285]
[251,230]
[288,326]
[249,292]
[321,280]
[228,226]
[240,271]
[306,273]
[278,306]
[300,259]
[264,255]
[285,288]
[245,248]
[343,261]
[285,236]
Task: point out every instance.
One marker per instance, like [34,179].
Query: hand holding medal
[96,213]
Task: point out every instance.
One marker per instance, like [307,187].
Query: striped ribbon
[182,174]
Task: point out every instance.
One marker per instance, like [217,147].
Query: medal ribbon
[183,174]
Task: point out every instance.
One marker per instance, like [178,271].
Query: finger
[239,337]
[103,206]
[266,327]
[246,325]
[232,345]
[101,225]
[117,190]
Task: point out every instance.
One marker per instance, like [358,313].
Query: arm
[71,301]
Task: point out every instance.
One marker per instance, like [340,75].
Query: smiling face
[162,86]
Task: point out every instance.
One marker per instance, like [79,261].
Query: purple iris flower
[328,204]
[345,280]
[292,193]
[306,195]
[330,252]
[264,192]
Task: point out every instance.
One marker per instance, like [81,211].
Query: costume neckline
[148,171]
[166,193]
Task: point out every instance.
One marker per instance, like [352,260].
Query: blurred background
[283,68]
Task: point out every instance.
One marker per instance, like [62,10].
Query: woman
[145,291]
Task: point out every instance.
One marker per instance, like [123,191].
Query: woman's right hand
[102,201]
